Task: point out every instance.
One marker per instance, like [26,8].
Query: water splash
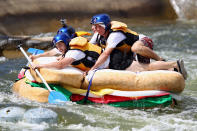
[2,59]
[22,125]
[185,9]
[172,41]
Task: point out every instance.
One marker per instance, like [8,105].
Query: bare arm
[59,64]
[48,53]
[102,58]
[139,48]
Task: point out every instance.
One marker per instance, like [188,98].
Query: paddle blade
[56,97]
[35,51]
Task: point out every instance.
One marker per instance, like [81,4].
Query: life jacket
[83,33]
[125,45]
[122,56]
[92,52]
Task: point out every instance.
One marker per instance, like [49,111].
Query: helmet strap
[107,28]
[67,48]
[106,34]
[63,55]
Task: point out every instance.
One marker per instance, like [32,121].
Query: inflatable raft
[113,87]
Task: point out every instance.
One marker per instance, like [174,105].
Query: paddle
[35,51]
[54,96]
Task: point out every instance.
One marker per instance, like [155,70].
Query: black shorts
[120,60]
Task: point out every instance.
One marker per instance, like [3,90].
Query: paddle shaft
[36,70]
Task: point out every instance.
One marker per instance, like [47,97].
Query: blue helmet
[61,37]
[101,19]
[67,30]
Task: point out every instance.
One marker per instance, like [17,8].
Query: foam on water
[103,117]
[22,125]
[172,42]
[2,59]
[89,128]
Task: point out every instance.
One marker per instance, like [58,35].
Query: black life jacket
[92,52]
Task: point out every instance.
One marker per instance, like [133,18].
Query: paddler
[120,44]
[77,52]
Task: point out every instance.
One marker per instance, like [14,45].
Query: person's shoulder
[117,33]
[94,38]
[75,51]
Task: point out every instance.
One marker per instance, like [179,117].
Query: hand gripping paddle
[54,96]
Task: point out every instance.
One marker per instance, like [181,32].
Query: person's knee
[137,47]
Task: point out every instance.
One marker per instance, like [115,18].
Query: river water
[173,40]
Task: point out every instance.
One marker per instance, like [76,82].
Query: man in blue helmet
[121,44]
[76,52]
[69,31]
[117,33]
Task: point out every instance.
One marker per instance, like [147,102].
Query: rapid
[173,40]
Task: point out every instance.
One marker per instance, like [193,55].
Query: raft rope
[90,83]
